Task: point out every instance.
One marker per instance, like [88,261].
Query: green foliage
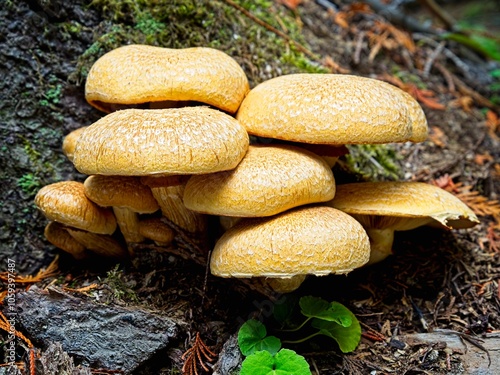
[190,23]
[52,95]
[285,362]
[29,183]
[330,319]
[263,353]
[486,45]
[252,337]
[373,162]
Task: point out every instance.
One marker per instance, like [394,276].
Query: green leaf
[252,338]
[285,362]
[347,337]
[314,307]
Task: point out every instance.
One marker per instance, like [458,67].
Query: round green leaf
[252,337]
[285,362]
[347,337]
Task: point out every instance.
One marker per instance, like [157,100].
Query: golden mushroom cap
[402,199]
[268,180]
[121,191]
[66,203]
[315,240]
[135,142]
[137,74]
[331,109]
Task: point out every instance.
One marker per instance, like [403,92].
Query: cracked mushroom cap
[331,109]
[134,142]
[314,240]
[66,203]
[138,74]
[269,180]
[402,205]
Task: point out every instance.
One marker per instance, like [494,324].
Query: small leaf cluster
[264,355]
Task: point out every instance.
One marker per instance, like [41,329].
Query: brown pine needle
[197,354]
[50,271]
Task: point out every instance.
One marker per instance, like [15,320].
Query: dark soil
[435,280]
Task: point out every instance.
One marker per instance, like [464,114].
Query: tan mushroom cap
[121,191]
[66,203]
[135,142]
[405,200]
[69,142]
[137,74]
[269,180]
[307,240]
[331,109]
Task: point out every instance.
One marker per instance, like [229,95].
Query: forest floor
[425,310]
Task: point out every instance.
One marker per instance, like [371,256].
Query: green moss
[190,23]
[115,280]
[29,183]
[373,162]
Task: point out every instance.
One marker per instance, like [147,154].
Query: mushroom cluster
[174,146]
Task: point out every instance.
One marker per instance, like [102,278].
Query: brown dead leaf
[438,137]
[493,124]
[465,102]
[480,159]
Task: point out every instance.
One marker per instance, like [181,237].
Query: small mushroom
[66,203]
[58,236]
[269,180]
[156,230]
[335,109]
[128,198]
[388,206]
[135,75]
[286,247]
[101,244]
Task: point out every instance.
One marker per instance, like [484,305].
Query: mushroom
[69,142]
[57,235]
[134,142]
[128,198]
[160,143]
[316,240]
[156,230]
[388,206]
[269,180]
[330,109]
[135,75]
[65,202]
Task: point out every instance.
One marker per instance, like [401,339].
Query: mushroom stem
[170,200]
[285,285]
[128,221]
[381,241]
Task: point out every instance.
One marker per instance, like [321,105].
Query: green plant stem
[296,328]
[300,340]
